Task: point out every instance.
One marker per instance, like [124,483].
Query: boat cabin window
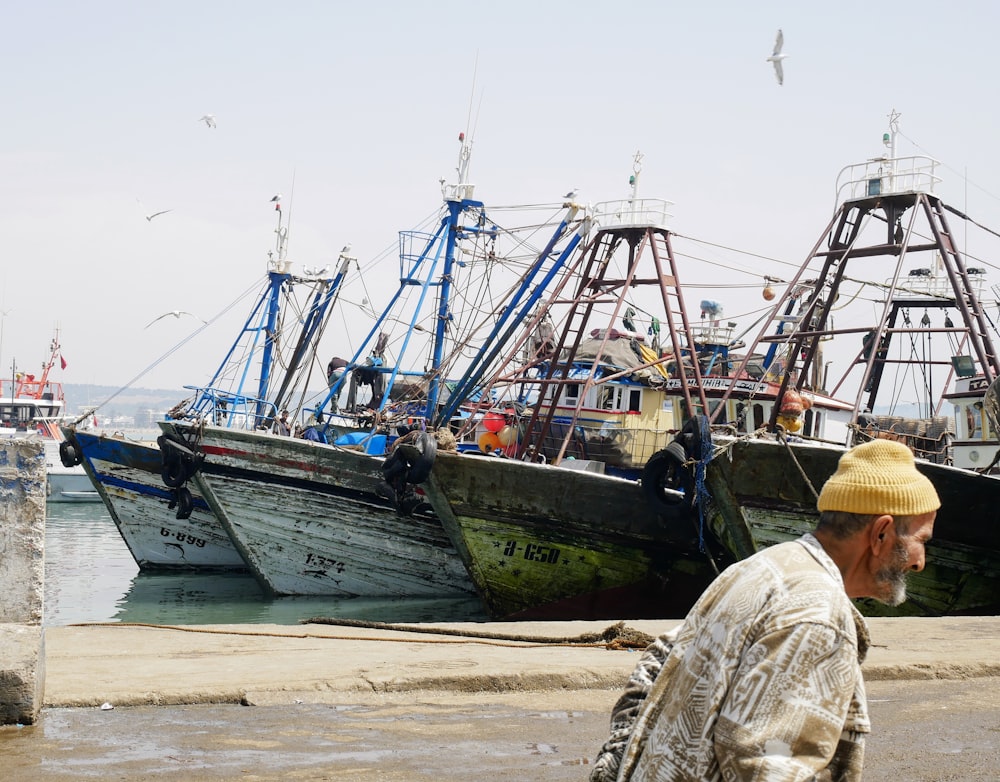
[16,416]
[974,420]
[634,400]
[571,393]
[810,425]
[619,398]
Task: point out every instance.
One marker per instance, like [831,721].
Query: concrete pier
[22,568]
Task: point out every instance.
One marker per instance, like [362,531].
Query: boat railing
[884,176]
[29,387]
[633,212]
[412,249]
[928,438]
[923,283]
[713,334]
[233,411]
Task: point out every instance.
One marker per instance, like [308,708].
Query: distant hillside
[131,407]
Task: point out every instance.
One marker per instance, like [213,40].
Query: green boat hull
[547,542]
[762,494]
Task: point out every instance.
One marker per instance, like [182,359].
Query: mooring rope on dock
[614,637]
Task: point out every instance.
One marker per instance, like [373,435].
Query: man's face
[906,553]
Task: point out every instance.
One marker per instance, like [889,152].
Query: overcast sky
[352,111]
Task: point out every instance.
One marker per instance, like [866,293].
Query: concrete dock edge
[22,569]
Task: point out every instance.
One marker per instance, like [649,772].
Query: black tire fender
[185,502]
[174,471]
[419,456]
[666,470]
[393,467]
[69,453]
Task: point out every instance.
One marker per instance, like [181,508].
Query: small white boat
[35,406]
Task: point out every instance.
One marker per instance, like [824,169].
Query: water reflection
[90,576]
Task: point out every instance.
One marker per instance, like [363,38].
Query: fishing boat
[36,406]
[320,515]
[889,242]
[166,524]
[588,510]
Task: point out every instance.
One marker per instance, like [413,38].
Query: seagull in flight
[149,218]
[208,119]
[776,57]
[176,313]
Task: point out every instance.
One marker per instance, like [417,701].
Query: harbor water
[90,576]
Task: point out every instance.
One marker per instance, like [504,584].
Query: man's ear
[882,532]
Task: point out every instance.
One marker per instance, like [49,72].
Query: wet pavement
[923,731]
[338,703]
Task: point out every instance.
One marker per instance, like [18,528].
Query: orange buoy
[767,293]
[488,442]
[791,403]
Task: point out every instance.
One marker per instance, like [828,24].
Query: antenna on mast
[633,180]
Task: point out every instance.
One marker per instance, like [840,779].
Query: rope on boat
[614,637]
[784,441]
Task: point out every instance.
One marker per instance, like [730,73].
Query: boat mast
[35,389]
[887,209]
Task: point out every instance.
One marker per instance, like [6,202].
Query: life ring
[666,470]
[185,502]
[69,453]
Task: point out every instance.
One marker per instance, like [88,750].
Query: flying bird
[176,313]
[149,218]
[776,57]
[208,119]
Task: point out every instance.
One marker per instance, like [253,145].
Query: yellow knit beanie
[879,477]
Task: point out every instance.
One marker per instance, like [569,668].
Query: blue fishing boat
[166,523]
[340,515]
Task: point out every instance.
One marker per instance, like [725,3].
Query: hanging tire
[394,467]
[419,457]
[174,471]
[69,453]
[185,502]
[664,474]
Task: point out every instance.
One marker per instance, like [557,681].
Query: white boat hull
[127,476]
[314,519]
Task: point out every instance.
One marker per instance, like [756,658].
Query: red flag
[62,362]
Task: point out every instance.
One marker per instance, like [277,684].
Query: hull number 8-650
[533,552]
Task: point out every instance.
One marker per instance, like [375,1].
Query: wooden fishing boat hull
[759,497]
[544,542]
[315,519]
[127,476]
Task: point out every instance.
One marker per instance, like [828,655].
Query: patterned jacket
[762,681]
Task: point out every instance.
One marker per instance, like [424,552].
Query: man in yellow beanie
[762,681]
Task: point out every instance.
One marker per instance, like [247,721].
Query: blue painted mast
[507,323]
[262,326]
[438,249]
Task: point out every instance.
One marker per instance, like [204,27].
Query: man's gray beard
[893,577]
